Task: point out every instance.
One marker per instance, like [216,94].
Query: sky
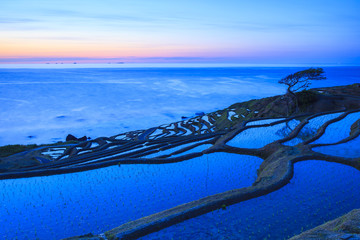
[209,31]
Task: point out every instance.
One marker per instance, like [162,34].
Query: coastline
[218,122]
[104,102]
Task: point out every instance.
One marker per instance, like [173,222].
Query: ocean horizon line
[161,65]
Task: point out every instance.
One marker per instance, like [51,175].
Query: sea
[43,103]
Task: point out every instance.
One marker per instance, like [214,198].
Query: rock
[84,138]
[70,137]
[199,113]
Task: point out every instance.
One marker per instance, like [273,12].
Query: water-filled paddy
[349,149]
[94,201]
[309,130]
[339,130]
[255,137]
[319,192]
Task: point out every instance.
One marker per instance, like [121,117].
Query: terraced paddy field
[248,171]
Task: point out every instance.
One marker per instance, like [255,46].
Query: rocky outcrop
[71,137]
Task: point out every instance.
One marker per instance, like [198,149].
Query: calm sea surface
[42,104]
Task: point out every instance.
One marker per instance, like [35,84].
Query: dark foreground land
[215,128]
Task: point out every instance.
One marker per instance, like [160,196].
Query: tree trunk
[292,94]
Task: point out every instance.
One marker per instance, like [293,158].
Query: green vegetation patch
[307,97]
[8,150]
[17,148]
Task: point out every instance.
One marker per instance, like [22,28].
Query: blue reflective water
[94,201]
[310,129]
[261,136]
[349,149]
[319,192]
[44,105]
[339,130]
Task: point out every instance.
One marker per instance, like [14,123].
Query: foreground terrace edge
[344,227]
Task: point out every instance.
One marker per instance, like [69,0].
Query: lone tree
[300,81]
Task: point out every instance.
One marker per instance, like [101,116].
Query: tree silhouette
[300,81]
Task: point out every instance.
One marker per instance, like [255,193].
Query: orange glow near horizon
[102,52]
[40,48]
[60,49]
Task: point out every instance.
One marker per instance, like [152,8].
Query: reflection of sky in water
[349,149]
[94,201]
[339,130]
[319,192]
[309,130]
[259,137]
[336,132]
[50,103]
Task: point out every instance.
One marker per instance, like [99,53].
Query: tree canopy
[302,79]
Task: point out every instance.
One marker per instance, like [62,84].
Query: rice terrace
[253,145]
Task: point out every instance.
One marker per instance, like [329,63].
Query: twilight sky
[228,31]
